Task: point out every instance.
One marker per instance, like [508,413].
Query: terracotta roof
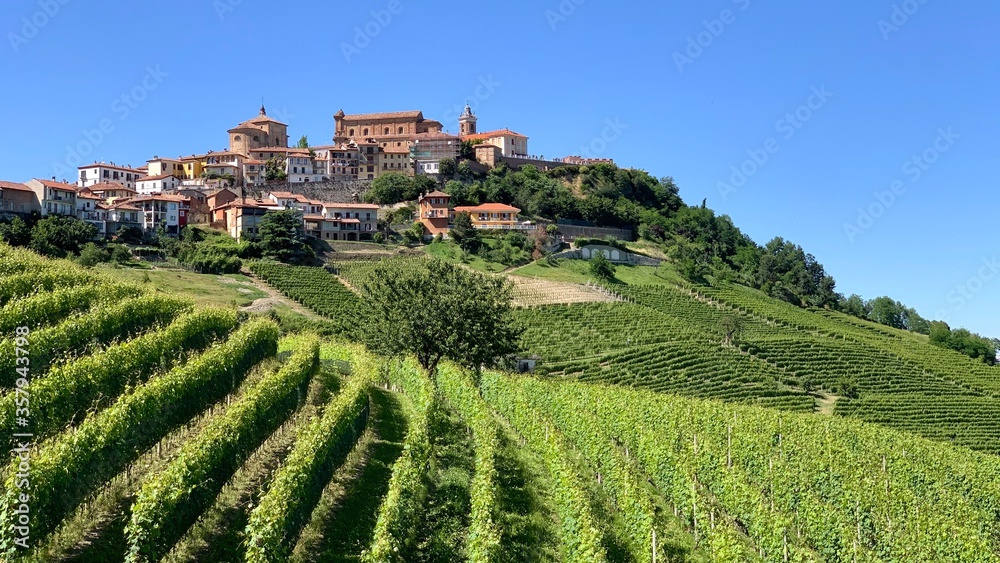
[106,165]
[106,186]
[85,195]
[385,115]
[14,186]
[162,197]
[350,205]
[124,207]
[289,195]
[350,220]
[160,177]
[57,185]
[437,193]
[492,135]
[164,159]
[397,150]
[314,217]
[488,208]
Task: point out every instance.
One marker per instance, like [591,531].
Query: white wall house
[98,172]
[157,184]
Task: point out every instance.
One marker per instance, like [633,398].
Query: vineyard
[162,432]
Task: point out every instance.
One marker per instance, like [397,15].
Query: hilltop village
[260,172]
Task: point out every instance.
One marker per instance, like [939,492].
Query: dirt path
[826,403]
[274,297]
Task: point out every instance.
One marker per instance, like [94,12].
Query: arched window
[350,133]
[236,138]
[255,138]
[386,131]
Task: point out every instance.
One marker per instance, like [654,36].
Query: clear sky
[795,118]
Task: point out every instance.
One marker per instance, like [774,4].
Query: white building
[55,198]
[157,184]
[99,172]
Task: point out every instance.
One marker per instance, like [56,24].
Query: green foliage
[437,310]
[120,253]
[15,232]
[394,187]
[316,289]
[171,501]
[283,238]
[69,390]
[601,268]
[57,236]
[961,340]
[447,168]
[295,489]
[68,467]
[378,238]
[303,142]
[274,170]
[404,501]
[78,333]
[465,233]
[92,255]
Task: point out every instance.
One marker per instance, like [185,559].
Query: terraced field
[187,434]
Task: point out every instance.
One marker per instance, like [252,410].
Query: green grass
[206,290]
[449,251]
[578,271]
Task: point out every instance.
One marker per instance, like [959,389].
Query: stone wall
[613,254]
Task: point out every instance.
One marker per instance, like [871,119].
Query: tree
[464,232]
[274,170]
[886,311]
[15,232]
[92,255]
[389,188]
[303,142]
[602,268]
[447,168]
[58,236]
[732,328]
[283,238]
[437,311]
[467,150]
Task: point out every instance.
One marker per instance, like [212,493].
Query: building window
[400,130]
[350,132]
[385,131]
[365,132]
[236,138]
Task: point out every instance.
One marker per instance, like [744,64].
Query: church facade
[259,132]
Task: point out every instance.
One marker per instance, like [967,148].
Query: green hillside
[200,434]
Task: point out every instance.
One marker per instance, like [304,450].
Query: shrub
[92,255]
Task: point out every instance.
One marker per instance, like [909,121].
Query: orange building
[435,212]
[491,215]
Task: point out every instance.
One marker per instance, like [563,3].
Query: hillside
[169,432]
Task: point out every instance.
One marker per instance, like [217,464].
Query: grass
[449,251]
[578,271]
[206,290]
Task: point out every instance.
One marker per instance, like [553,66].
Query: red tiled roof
[14,186]
[350,205]
[106,186]
[58,185]
[437,193]
[418,115]
[160,177]
[106,165]
[488,208]
[492,135]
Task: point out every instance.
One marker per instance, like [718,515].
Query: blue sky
[824,106]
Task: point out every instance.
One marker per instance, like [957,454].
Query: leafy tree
[855,306]
[439,310]
[885,310]
[303,142]
[120,254]
[732,329]
[15,232]
[464,233]
[58,236]
[129,235]
[390,188]
[467,150]
[447,167]
[465,172]
[602,268]
[92,255]
[283,238]
[274,170]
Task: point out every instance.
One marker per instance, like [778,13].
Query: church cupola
[467,122]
